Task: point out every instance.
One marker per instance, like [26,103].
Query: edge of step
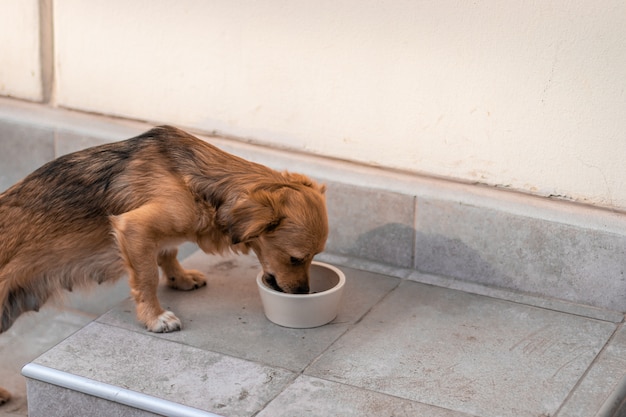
[111,393]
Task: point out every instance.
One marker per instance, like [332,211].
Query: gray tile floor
[397,348]
[33,334]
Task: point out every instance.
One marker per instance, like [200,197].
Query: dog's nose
[302,288]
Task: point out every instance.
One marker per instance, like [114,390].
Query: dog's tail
[15,300]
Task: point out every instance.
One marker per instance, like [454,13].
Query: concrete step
[399,347]
[34,334]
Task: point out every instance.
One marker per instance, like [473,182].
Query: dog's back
[55,224]
[92,215]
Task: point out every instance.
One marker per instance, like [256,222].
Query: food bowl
[303,311]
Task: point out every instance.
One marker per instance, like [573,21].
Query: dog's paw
[4,396]
[189,280]
[166,322]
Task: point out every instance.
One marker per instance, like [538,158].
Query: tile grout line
[513,296]
[217,352]
[268,402]
[351,326]
[155,335]
[591,365]
[347,330]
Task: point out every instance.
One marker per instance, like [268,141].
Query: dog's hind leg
[4,396]
[15,300]
[176,276]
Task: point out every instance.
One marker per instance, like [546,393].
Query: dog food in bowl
[302,311]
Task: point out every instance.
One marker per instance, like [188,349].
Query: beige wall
[20,67]
[528,96]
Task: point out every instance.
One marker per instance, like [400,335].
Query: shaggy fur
[94,215]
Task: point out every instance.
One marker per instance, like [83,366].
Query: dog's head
[285,224]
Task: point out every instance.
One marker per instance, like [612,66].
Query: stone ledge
[468,232]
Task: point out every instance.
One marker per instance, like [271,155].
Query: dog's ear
[253,215]
[304,180]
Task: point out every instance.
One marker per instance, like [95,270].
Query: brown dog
[123,207]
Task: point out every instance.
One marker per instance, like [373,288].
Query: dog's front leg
[135,234]
[176,276]
[144,280]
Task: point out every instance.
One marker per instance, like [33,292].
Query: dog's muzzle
[270,280]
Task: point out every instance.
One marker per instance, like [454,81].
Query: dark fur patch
[18,301]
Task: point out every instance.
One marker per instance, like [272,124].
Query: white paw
[165,323]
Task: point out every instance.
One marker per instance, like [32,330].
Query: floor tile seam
[144,332]
[216,352]
[302,372]
[349,328]
[521,298]
[374,306]
[398,397]
[367,265]
[532,301]
[584,375]
[285,388]
[294,375]
[476,288]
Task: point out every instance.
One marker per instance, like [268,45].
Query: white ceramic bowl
[305,310]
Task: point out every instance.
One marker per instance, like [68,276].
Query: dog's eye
[296,261]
